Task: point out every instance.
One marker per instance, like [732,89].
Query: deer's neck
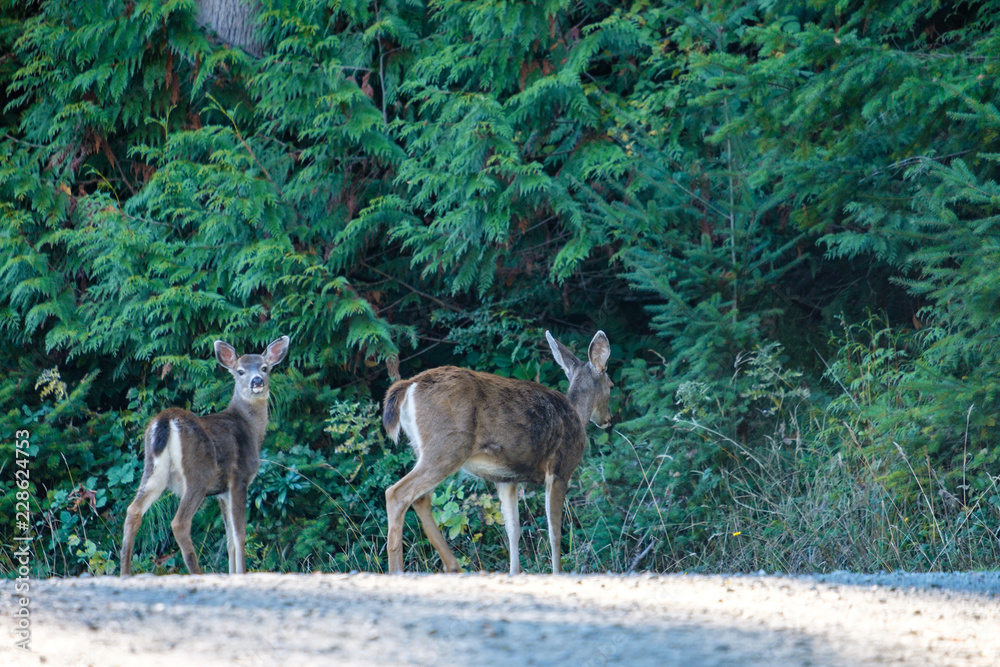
[254,414]
[582,402]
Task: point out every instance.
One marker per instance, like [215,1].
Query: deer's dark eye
[263,369]
[241,372]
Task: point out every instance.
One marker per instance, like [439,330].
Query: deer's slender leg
[238,522]
[151,487]
[508,507]
[555,496]
[426,474]
[181,525]
[422,506]
[133,520]
[224,505]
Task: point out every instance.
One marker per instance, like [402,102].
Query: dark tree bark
[234,22]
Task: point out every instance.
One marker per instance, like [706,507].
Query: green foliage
[729,190]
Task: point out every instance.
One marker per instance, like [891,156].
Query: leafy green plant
[401,185]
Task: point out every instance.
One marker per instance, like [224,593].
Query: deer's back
[504,429]
[225,444]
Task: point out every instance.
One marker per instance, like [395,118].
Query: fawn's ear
[563,355]
[225,354]
[276,351]
[599,352]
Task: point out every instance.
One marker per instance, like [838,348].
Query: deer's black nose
[257,382]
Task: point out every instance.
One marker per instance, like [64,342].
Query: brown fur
[503,430]
[219,455]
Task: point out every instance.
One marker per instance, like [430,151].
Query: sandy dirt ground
[492,619]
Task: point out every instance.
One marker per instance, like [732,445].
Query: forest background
[783,213]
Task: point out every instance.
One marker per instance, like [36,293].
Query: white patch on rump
[167,469]
[154,486]
[408,418]
[178,483]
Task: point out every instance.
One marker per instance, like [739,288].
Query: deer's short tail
[390,411]
[158,434]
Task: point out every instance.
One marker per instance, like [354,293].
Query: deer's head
[251,371]
[589,384]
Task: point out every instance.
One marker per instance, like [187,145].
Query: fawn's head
[589,384]
[252,372]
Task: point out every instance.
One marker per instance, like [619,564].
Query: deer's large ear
[276,351]
[599,352]
[225,354]
[563,356]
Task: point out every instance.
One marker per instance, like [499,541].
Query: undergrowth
[767,473]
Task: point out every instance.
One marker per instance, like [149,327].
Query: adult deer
[215,455]
[500,429]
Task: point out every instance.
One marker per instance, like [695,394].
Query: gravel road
[492,619]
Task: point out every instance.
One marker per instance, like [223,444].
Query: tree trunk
[234,22]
